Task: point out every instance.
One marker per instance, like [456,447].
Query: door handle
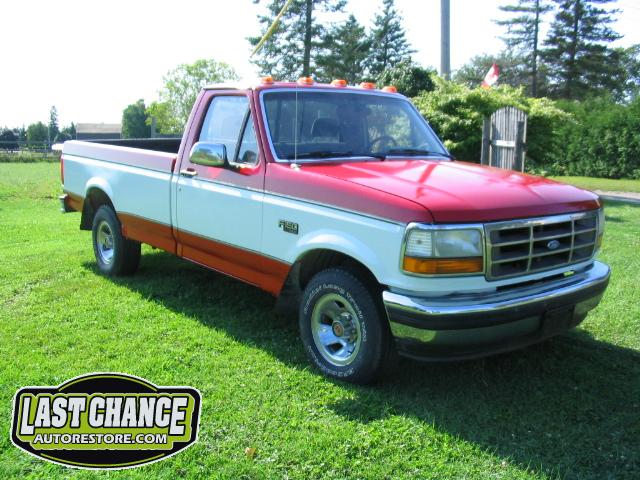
[188,172]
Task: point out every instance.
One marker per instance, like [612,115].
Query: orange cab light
[443,266]
[305,81]
[268,80]
[338,82]
[390,89]
[368,85]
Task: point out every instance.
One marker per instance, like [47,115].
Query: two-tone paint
[229,219]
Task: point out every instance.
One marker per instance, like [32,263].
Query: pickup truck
[342,202]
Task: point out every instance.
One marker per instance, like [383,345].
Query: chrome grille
[520,247]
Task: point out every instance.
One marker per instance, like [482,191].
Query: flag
[491,77]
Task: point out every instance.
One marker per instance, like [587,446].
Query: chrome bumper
[470,325]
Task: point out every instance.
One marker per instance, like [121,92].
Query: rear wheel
[342,328]
[115,254]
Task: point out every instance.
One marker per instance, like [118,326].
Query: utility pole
[445,39]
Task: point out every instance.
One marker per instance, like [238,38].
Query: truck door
[218,209]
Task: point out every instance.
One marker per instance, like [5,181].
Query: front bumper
[477,324]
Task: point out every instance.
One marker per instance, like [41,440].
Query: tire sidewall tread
[367,365]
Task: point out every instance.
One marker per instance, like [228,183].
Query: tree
[388,43]
[626,77]
[62,137]
[576,53]
[8,140]
[53,124]
[523,34]
[297,39]
[513,71]
[409,78]
[181,87]
[346,50]
[70,130]
[37,133]
[134,121]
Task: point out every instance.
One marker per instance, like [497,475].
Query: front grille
[520,247]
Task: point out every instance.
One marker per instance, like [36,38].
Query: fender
[101,184]
[327,239]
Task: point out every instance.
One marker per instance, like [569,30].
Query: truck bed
[118,151]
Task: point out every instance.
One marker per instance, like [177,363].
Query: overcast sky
[91,59]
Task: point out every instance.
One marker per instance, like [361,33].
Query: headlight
[443,251]
[600,229]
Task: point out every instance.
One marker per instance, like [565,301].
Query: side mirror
[208,154]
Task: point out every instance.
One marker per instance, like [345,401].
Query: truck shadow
[568,407]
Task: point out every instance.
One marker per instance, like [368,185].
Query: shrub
[602,140]
[456,113]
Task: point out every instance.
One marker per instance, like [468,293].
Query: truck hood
[456,192]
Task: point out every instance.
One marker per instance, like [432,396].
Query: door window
[224,120]
[248,151]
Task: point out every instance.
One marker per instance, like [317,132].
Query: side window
[248,151]
[223,122]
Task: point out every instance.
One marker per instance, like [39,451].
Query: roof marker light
[390,89]
[338,82]
[368,85]
[268,80]
[305,81]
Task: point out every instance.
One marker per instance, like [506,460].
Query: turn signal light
[338,82]
[444,266]
[368,85]
[390,89]
[305,81]
[268,80]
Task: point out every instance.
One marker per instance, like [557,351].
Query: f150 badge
[289,227]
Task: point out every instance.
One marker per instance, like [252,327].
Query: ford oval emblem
[553,244]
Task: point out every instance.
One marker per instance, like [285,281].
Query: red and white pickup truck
[342,201]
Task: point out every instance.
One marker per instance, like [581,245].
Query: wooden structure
[504,137]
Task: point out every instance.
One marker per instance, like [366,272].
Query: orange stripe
[74,202]
[264,272]
[146,231]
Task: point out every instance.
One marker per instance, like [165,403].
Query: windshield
[325,124]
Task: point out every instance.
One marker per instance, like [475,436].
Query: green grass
[569,407]
[607,184]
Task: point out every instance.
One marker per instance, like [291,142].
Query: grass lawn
[568,408]
[607,184]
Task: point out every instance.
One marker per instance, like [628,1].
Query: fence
[19,146]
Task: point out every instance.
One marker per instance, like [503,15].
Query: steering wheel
[388,138]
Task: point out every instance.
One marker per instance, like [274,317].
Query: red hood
[464,192]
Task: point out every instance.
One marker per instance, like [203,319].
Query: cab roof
[304,82]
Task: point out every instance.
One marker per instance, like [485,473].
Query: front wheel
[342,328]
[115,254]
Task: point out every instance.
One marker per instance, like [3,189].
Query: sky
[91,59]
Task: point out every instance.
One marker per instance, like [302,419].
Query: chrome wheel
[336,329]
[104,242]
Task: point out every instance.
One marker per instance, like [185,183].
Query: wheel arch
[310,263]
[95,197]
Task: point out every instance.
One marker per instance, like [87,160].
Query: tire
[343,330]
[115,254]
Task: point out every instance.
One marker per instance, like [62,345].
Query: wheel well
[315,261]
[93,201]
[311,263]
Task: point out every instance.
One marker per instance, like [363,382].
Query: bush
[456,113]
[602,140]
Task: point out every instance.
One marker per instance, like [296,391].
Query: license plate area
[557,320]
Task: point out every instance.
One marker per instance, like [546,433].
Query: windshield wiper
[416,152]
